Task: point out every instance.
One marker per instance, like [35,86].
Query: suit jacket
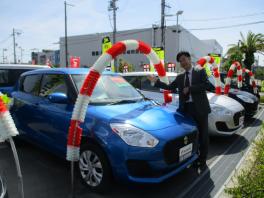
[197,90]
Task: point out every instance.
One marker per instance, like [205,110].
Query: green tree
[236,55]
[248,46]
[259,73]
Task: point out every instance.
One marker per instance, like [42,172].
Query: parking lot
[47,176]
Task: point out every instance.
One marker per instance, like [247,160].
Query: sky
[41,22]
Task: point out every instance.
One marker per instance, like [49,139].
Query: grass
[262,86]
[261,99]
[250,181]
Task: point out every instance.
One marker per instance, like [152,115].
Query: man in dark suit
[192,99]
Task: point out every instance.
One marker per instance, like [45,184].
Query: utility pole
[162,23]
[163,32]
[112,7]
[4,54]
[14,33]
[66,37]
[14,41]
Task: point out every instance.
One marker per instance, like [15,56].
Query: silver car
[226,118]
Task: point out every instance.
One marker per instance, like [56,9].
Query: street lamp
[177,31]
[154,28]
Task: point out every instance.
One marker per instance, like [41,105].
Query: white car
[226,118]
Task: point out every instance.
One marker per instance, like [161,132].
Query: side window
[9,77]
[53,83]
[31,84]
[133,80]
[146,85]
[4,77]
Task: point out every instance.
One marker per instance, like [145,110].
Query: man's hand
[152,78]
[186,90]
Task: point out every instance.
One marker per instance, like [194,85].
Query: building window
[133,51]
[93,53]
[128,51]
[137,51]
[96,53]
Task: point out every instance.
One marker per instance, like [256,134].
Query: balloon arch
[236,65]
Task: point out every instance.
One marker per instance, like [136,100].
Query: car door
[25,104]
[54,118]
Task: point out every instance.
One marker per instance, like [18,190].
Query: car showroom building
[89,47]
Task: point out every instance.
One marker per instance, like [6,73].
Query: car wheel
[94,168]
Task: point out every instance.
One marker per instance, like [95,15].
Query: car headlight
[134,136]
[220,110]
[245,99]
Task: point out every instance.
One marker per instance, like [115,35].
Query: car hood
[244,93]
[224,101]
[220,100]
[145,115]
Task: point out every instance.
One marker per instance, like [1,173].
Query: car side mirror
[58,98]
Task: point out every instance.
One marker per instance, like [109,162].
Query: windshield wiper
[124,101]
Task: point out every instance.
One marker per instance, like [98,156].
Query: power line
[83,40]
[222,18]
[3,41]
[229,26]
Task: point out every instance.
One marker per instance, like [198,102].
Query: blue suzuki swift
[125,136]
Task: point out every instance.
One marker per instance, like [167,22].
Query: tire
[94,168]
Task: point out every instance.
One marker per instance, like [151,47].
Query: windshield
[171,78]
[109,89]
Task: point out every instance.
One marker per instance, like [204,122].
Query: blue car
[125,136]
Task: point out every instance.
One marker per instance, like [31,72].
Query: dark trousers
[202,125]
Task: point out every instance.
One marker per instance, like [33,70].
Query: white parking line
[218,158]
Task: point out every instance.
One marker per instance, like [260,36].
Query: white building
[88,47]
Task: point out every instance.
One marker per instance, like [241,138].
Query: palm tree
[252,44]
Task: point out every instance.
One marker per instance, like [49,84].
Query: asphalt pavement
[46,176]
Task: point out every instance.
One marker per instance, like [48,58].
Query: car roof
[22,66]
[63,71]
[146,74]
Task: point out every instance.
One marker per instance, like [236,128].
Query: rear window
[31,84]
[9,77]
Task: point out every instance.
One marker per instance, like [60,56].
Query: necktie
[187,84]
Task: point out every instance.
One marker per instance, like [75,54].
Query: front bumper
[251,109]
[150,165]
[226,124]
